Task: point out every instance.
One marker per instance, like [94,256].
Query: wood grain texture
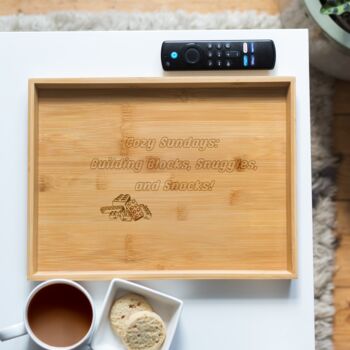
[343,218]
[342,275]
[342,98]
[342,318]
[341,138]
[192,234]
[343,178]
[341,130]
[10,7]
[32,174]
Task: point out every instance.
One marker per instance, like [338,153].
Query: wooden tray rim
[35,84]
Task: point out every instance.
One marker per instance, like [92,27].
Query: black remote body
[218,55]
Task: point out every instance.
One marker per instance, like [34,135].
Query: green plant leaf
[336,7]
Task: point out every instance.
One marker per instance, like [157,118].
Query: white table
[271,315]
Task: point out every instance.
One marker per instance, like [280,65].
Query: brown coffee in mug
[60,315]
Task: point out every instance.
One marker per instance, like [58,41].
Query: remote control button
[219,63]
[210,46]
[228,63]
[218,54]
[227,45]
[252,60]
[252,47]
[245,61]
[174,55]
[218,46]
[167,64]
[210,54]
[245,47]
[192,55]
[232,54]
[210,63]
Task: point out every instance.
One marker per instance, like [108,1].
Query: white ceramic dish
[167,307]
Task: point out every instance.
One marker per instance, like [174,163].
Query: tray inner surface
[212,164]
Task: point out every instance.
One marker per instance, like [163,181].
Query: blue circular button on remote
[174,55]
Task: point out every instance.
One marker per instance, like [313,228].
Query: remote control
[218,55]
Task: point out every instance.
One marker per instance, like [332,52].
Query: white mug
[24,327]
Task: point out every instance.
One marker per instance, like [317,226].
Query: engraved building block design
[146,212]
[125,208]
[134,209]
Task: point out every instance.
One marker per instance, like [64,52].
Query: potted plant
[339,11]
[328,22]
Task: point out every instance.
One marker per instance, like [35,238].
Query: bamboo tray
[162,178]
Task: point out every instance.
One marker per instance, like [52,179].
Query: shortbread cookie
[123,308]
[144,330]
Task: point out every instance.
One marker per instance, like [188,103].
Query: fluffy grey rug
[321,114]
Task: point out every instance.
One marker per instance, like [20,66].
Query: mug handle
[12,332]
